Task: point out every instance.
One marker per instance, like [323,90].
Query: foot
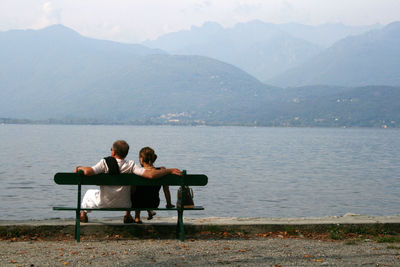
[138,221]
[169,206]
[151,214]
[83,217]
[128,218]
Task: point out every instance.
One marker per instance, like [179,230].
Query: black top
[146,196]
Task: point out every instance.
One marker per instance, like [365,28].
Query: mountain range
[264,50]
[57,75]
[372,58]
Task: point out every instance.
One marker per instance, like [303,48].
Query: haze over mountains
[264,50]
[55,74]
[372,58]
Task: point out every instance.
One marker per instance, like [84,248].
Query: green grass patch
[212,228]
[359,230]
[11,232]
[388,239]
[335,233]
[291,230]
[374,230]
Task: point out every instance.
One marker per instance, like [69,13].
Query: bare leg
[137,216]
[167,195]
[84,217]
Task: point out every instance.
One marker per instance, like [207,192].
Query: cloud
[50,15]
[245,7]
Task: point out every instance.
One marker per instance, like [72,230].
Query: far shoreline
[86,123]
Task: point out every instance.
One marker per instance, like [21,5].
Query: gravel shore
[167,252]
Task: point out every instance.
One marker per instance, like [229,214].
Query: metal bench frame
[80,179]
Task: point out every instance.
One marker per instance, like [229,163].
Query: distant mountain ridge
[262,49]
[56,73]
[372,58]
[325,35]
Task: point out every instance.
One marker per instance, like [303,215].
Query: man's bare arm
[154,173]
[88,171]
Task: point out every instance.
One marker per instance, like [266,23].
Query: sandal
[128,219]
[151,214]
[83,217]
[138,222]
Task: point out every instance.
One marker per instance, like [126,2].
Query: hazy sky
[137,20]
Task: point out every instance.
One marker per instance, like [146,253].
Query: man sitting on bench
[116,196]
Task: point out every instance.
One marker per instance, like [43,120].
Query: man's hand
[175,171]
[87,171]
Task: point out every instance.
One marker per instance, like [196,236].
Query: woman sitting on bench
[147,196]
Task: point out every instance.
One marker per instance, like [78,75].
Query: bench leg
[78,215]
[77,226]
[177,227]
[180,227]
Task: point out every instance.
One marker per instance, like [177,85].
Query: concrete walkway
[199,252]
[348,218]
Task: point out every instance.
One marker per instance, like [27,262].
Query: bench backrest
[67,178]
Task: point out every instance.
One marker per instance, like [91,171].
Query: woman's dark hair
[148,155]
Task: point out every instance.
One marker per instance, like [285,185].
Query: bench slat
[67,178]
[129,209]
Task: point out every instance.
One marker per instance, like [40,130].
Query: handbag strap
[112,165]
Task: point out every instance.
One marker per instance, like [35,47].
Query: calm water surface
[253,172]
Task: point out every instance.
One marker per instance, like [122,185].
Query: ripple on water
[20,187]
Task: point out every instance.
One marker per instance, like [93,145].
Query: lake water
[253,172]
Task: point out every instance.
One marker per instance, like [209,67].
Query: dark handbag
[187,198]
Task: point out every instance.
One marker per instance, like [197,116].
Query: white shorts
[91,199]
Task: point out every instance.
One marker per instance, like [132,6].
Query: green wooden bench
[80,179]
